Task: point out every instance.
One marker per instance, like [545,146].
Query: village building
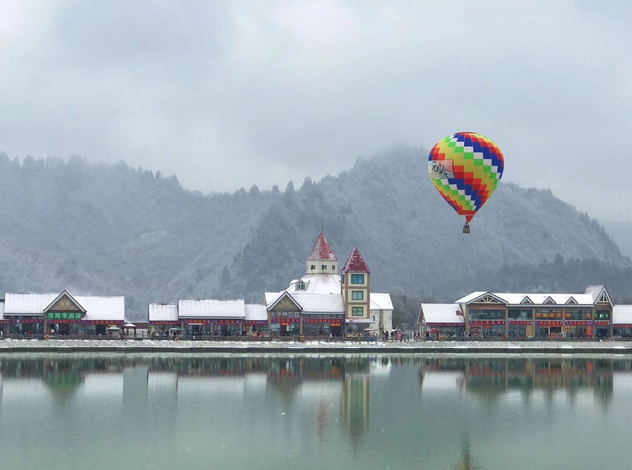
[323,302]
[207,317]
[61,313]
[489,314]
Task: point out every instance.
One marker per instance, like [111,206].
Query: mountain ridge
[112,229]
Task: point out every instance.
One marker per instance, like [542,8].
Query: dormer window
[324,267]
[312,267]
[333,267]
[300,285]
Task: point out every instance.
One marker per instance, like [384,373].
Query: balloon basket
[466,228]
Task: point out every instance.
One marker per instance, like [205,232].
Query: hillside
[111,229]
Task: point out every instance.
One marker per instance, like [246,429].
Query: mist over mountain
[111,229]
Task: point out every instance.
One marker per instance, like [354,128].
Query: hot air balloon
[466,168]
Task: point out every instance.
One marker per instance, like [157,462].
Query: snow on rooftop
[96,307]
[163,312]
[442,313]
[320,303]
[356,263]
[622,314]
[322,250]
[472,296]
[211,308]
[256,312]
[381,301]
[536,299]
[317,284]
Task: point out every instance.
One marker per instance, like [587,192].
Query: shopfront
[285,324]
[602,327]
[322,325]
[488,328]
[623,330]
[225,327]
[22,325]
[198,327]
[519,329]
[255,327]
[161,328]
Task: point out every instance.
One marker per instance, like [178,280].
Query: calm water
[313,412]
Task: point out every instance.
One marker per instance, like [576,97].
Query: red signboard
[487,322]
[602,323]
[578,323]
[164,322]
[548,324]
[226,322]
[520,322]
[285,321]
[256,322]
[197,322]
[102,322]
[456,325]
[622,325]
[322,320]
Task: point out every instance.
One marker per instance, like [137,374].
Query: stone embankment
[464,347]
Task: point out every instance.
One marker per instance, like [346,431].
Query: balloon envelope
[466,168]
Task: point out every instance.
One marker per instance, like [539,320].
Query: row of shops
[61,313]
[328,300]
[591,314]
[320,303]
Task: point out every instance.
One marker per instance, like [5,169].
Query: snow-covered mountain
[111,229]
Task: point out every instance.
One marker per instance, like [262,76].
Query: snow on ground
[491,346]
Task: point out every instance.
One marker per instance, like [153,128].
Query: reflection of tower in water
[355,405]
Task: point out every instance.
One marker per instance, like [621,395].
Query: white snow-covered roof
[536,299]
[622,314]
[211,308]
[594,291]
[255,312]
[320,303]
[381,301]
[96,307]
[469,297]
[163,312]
[317,284]
[442,313]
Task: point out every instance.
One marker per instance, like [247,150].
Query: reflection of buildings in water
[466,461]
[490,379]
[354,407]
[381,367]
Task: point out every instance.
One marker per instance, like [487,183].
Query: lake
[178,411]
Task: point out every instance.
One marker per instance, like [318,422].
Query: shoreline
[464,348]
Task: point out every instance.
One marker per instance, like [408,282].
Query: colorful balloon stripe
[465,168]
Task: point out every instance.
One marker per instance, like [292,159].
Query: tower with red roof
[322,259]
[356,289]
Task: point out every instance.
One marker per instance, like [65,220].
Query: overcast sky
[225,94]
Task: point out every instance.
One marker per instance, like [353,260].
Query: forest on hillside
[111,230]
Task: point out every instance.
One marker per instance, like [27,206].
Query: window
[602,315]
[333,267]
[357,295]
[312,267]
[579,315]
[357,279]
[548,314]
[323,267]
[486,314]
[357,311]
[300,285]
[520,314]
